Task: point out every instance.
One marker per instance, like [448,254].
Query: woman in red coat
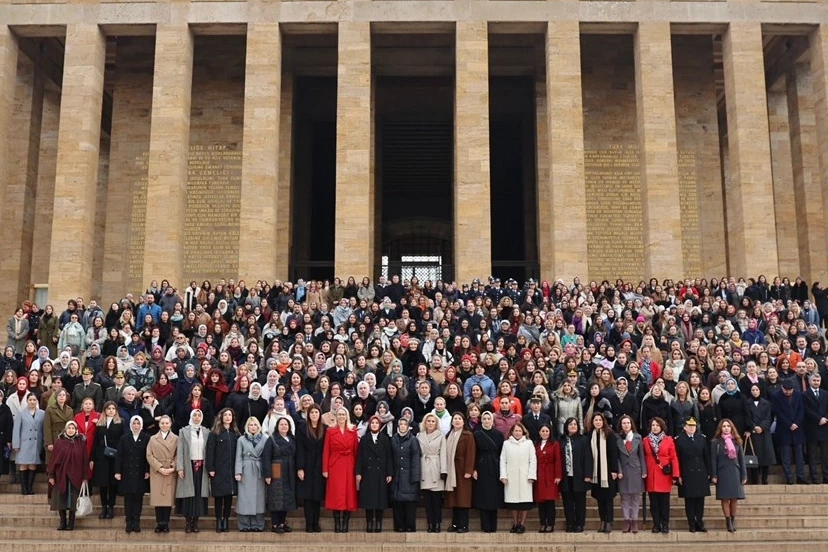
[550,473]
[87,420]
[662,469]
[338,465]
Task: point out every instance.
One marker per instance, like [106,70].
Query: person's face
[572,427]
[129,395]
[136,426]
[517,432]
[341,417]
[731,385]
[71,430]
[655,428]
[626,425]
[598,422]
[457,422]
[374,425]
[726,428]
[164,424]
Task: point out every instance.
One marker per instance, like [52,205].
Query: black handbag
[751,460]
[667,470]
[109,452]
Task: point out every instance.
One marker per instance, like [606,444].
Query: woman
[374,472]
[405,482]
[27,442]
[694,484]
[280,475]
[760,440]
[708,414]
[162,452]
[577,462]
[733,406]
[624,403]
[250,506]
[632,471]
[727,470]
[604,474]
[192,489]
[460,460]
[195,401]
[655,405]
[107,439]
[220,464]
[567,405]
[6,431]
[338,464]
[54,420]
[67,472]
[518,472]
[433,469]
[132,472]
[310,442]
[487,488]
[550,473]
[662,468]
[684,407]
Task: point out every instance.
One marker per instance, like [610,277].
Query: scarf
[621,395]
[163,391]
[451,441]
[655,441]
[730,448]
[568,457]
[599,452]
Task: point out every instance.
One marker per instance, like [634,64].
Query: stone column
[45,198]
[284,207]
[656,121]
[806,177]
[9,52]
[562,227]
[168,155]
[751,239]
[76,180]
[785,199]
[258,224]
[819,80]
[472,182]
[354,218]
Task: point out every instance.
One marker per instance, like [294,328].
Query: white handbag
[84,505]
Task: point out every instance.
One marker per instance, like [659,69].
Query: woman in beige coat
[161,455]
[57,415]
[433,469]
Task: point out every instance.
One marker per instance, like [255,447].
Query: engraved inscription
[689,205]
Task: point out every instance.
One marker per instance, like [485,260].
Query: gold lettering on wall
[614,214]
[138,225]
[689,205]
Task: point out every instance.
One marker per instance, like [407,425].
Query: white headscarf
[140,421]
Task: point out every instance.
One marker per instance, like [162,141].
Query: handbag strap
[748,441]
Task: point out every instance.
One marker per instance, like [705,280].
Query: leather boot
[71,525]
[195,525]
[226,527]
[729,523]
[337,522]
[634,526]
[31,479]
[627,526]
[378,527]
[733,523]
[346,519]
[62,526]
[24,482]
[369,526]
[188,528]
[218,525]
[608,528]
[602,527]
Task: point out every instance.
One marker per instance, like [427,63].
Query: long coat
[815,409]
[730,472]
[581,464]
[761,444]
[339,461]
[374,464]
[789,411]
[550,468]
[433,462]
[186,487]
[488,490]
[220,457]
[735,408]
[131,463]
[6,431]
[464,461]
[27,436]
[657,480]
[251,499]
[309,459]
[162,453]
[599,492]
[518,465]
[281,491]
[54,421]
[694,459]
[631,465]
[405,454]
[103,473]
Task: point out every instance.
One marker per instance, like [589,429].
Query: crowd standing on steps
[354,395]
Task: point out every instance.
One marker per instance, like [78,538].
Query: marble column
[284,207]
[76,179]
[819,81]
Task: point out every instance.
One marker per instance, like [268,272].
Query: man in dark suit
[535,419]
[789,408]
[816,428]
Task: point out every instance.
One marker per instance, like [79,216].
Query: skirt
[196,505]
[66,500]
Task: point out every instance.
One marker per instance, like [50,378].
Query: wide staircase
[776,517]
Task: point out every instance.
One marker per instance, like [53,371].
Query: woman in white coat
[433,469]
[518,472]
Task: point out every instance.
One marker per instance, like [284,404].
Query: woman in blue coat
[789,409]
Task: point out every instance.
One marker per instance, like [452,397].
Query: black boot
[24,482]
[346,519]
[733,523]
[729,522]
[225,524]
[378,524]
[219,527]
[31,475]
[71,525]
[62,526]
[337,522]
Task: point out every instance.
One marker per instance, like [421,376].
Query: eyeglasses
[147,397]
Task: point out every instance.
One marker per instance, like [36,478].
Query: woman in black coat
[760,441]
[487,491]
[405,485]
[310,488]
[577,466]
[108,434]
[373,473]
[279,470]
[624,403]
[655,406]
[132,472]
[733,406]
[693,452]
[603,479]
[220,462]
[6,430]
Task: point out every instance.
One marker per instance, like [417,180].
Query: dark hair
[632,423]
[605,429]
[662,424]
[218,425]
[319,432]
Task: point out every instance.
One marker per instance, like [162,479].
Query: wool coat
[550,468]
[339,461]
[103,473]
[487,488]
[54,421]
[729,472]
[432,460]
[185,488]
[309,459]
[374,465]
[581,464]
[789,411]
[281,491]
[657,480]
[27,436]
[761,444]
[162,453]
[694,459]
[464,462]
[405,453]
[131,463]
[251,500]
[519,466]
[220,457]
[631,465]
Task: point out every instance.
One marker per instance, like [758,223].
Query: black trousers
[605,509]
[312,508]
[405,516]
[374,515]
[223,506]
[818,454]
[162,514]
[433,506]
[660,508]
[108,495]
[694,509]
[754,475]
[460,518]
[575,508]
[278,517]
[546,513]
[133,505]
[488,521]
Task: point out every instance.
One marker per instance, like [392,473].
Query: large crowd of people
[486,396]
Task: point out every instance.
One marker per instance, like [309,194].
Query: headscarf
[192,425]
[735,390]
[254,385]
[140,420]
[388,417]
[77,435]
[618,393]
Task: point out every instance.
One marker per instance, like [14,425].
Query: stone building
[277,139]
